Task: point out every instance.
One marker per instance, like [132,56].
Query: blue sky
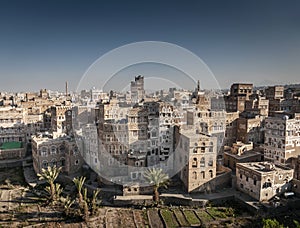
[45,43]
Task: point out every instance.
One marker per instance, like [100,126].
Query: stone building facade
[241,153]
[263,180]
[231,128]
[137,89]
[239,94]
[282,138]
[60,152]
[250,129]
[195,158]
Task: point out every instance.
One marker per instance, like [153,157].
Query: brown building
[282,138]
[250,130]
[241,153]
[275,95]
[239,94]
[257,105]
[231,128]
[263,180]
[60,152]
[195,158]
[137,89]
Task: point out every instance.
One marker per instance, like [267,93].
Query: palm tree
[82,196]
[79,182]
[49,175]
[157,178]
[94,200]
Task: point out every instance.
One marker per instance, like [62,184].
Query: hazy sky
[45,43]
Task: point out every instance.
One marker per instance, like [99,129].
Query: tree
[82,196]
[67,203]
[79,182]
[157,178]
[271,223]
[49,175]
[94,201]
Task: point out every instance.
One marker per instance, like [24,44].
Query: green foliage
[50,175]
[191,217]
[86,205]
[157,178]
[94,201]
[68,202]
[180,217]
[216,213]
[168,218]
[297,224]
[271,223]
[79,182]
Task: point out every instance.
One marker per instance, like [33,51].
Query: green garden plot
[181,218]
[204,216]
[169,218]
[191,217]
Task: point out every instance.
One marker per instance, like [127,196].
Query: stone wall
[17,153]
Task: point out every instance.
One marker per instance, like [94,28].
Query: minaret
[198,86]
[66,88]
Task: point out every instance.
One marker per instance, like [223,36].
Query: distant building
[250,130]
[263,180]
[257,105]
[137,89]
[61,119]
[239,94]
[231,128]
[275,95]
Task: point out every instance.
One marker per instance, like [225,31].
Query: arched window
[62,149]
[202,162]
[44,151]
[53,150]
[211,147]
[203,174]
[211,173]
[62,162]
[44,164]
[194,163]
[195,175]
[210,162]
[53,163]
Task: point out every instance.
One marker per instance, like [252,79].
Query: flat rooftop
[263,167]
[245,154]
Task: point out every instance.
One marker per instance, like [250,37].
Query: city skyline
[44,44]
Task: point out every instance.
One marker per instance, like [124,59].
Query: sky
[45,43]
